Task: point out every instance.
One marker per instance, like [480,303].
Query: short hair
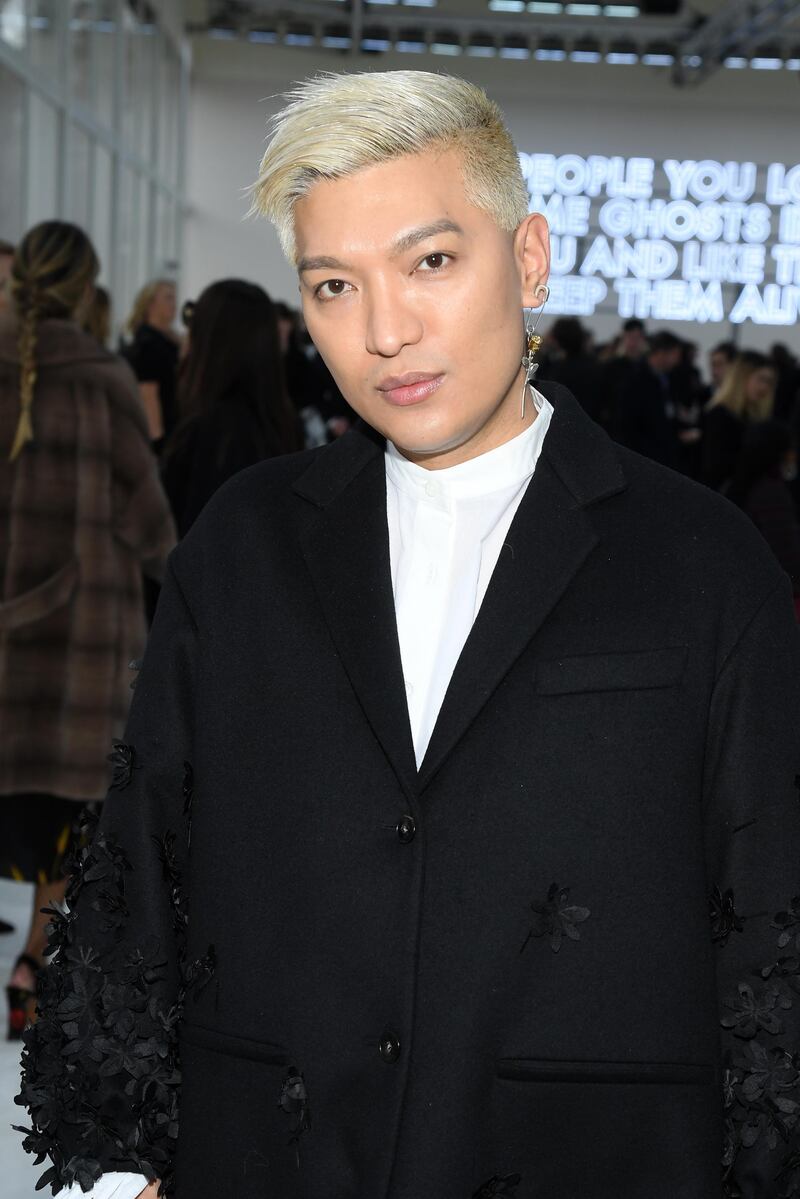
[7,249]
[569,335]
[664,340]
[727,348]
[632,323]
[337,124]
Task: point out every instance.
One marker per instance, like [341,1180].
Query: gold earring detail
[533,343]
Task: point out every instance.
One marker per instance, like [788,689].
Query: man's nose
[391,324]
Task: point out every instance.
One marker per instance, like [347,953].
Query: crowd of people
[112,454]
[736,432]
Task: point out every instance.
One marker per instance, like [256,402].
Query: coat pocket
[41,600]
[636,670]
[234,1046]
[535,1070]
[235,1138]
[604,1129]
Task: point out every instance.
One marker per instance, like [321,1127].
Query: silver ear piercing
[533,342]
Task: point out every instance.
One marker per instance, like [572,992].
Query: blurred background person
[629,348]
[759,486]
[97,316]
[152,349]
[232,396]
[6,258]
[82,512]
[646,413]
[570,362]
[787,387]
[745,396]
[720,360]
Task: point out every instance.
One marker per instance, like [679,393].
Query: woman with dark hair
[232,397]
[82,515]
[759,487]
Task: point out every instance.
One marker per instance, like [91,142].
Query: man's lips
[409,388]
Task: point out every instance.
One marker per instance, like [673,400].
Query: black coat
[497,976]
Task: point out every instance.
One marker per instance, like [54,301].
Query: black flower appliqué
[498,1186]
[556,918]
[751,1013]
[123,763]
[724,917]
[788,923]
[294,1102]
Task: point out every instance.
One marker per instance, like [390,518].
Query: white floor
[17,1174]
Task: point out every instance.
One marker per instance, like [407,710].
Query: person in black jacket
[152,353]
[759,487]
[233,396]
[453,844]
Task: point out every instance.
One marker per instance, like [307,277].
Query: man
[446,738]
[646,406]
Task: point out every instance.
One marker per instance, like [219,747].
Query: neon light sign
[672,240]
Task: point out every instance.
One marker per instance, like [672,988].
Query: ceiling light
[515,46]
[586,50]
[583,10]
[734,63]
[507,5]
[621,10]
[481,45]
[550,50]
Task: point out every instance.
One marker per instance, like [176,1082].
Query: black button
[406,829]
[389,1047]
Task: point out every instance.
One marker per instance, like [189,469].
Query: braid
[27,379]
[52,268]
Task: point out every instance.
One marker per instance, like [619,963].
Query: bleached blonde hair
[336,124]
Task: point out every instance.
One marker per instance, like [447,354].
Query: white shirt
[446,530]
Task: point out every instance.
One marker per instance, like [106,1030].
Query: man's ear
[532,252]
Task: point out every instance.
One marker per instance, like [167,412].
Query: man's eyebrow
[405,242]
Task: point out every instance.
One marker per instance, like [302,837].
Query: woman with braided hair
[82,514]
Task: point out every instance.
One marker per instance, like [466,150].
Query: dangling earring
[532,344]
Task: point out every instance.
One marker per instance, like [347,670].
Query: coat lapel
[549,540]
[346,547]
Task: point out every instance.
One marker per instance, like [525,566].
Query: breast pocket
[637,670]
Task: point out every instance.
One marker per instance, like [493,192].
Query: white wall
[550,107]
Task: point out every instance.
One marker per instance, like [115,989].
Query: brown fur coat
[82,514]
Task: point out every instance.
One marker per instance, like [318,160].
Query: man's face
[634,343]
[413,297]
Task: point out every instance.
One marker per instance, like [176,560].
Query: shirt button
[406,829]
[431,488]
[389,1047]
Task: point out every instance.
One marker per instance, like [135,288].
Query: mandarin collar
[509,465]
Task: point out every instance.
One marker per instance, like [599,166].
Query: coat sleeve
[753,844]
[100,1073]
[142,517]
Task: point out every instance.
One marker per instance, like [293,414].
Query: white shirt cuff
[114,1185]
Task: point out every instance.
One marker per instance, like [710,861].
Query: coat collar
[346,545]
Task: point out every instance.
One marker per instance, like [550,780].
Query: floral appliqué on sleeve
[112,1012]
[762,1076]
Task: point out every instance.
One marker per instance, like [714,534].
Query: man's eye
[330,289]
[434,262]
